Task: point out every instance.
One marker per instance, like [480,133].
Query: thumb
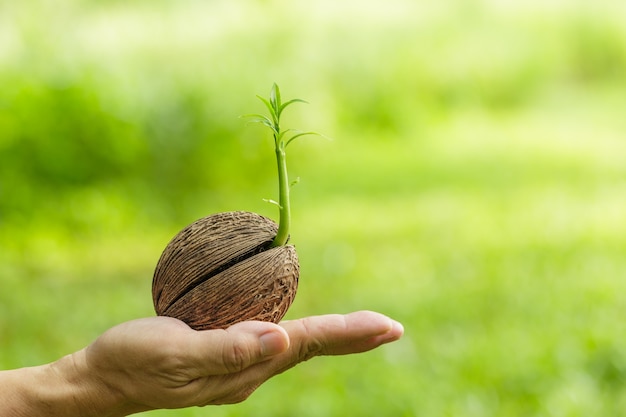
[217,352]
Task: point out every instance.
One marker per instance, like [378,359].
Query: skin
[160,362]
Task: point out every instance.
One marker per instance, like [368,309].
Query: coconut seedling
[234,266]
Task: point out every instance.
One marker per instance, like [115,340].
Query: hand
[160,362]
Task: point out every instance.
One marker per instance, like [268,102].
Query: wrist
[64,388]
[78,391]
[90,394]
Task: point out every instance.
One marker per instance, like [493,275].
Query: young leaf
[270,108]
[295,100]
[275,99]
[274,202]
[300,135]
[258,118]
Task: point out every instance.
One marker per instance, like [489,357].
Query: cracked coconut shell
[220,270]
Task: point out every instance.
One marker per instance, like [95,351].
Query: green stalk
[275,106]
[284,204]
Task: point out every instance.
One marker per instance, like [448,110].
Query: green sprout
[282,138]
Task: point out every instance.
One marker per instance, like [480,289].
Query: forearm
[63,388]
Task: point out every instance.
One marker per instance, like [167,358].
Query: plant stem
[282,236]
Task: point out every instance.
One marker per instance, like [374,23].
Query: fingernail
[396,332]
[398,327]
[273,343]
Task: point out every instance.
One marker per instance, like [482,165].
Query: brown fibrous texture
[220,270]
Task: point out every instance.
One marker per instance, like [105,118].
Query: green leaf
[275,99]
[274,202]
[271,110]
[300,135]
[255,118]
[295,100]
[259,118]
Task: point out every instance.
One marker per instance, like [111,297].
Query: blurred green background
[474,189]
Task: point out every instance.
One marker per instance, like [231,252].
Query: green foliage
[475,190]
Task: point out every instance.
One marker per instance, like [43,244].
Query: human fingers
[340,334]
[331,334]
[218,352]
[312,336]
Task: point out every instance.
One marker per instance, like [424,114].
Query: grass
[474,191]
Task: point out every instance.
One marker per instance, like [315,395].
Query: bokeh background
[474,187]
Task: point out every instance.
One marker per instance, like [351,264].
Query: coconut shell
[220,270]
